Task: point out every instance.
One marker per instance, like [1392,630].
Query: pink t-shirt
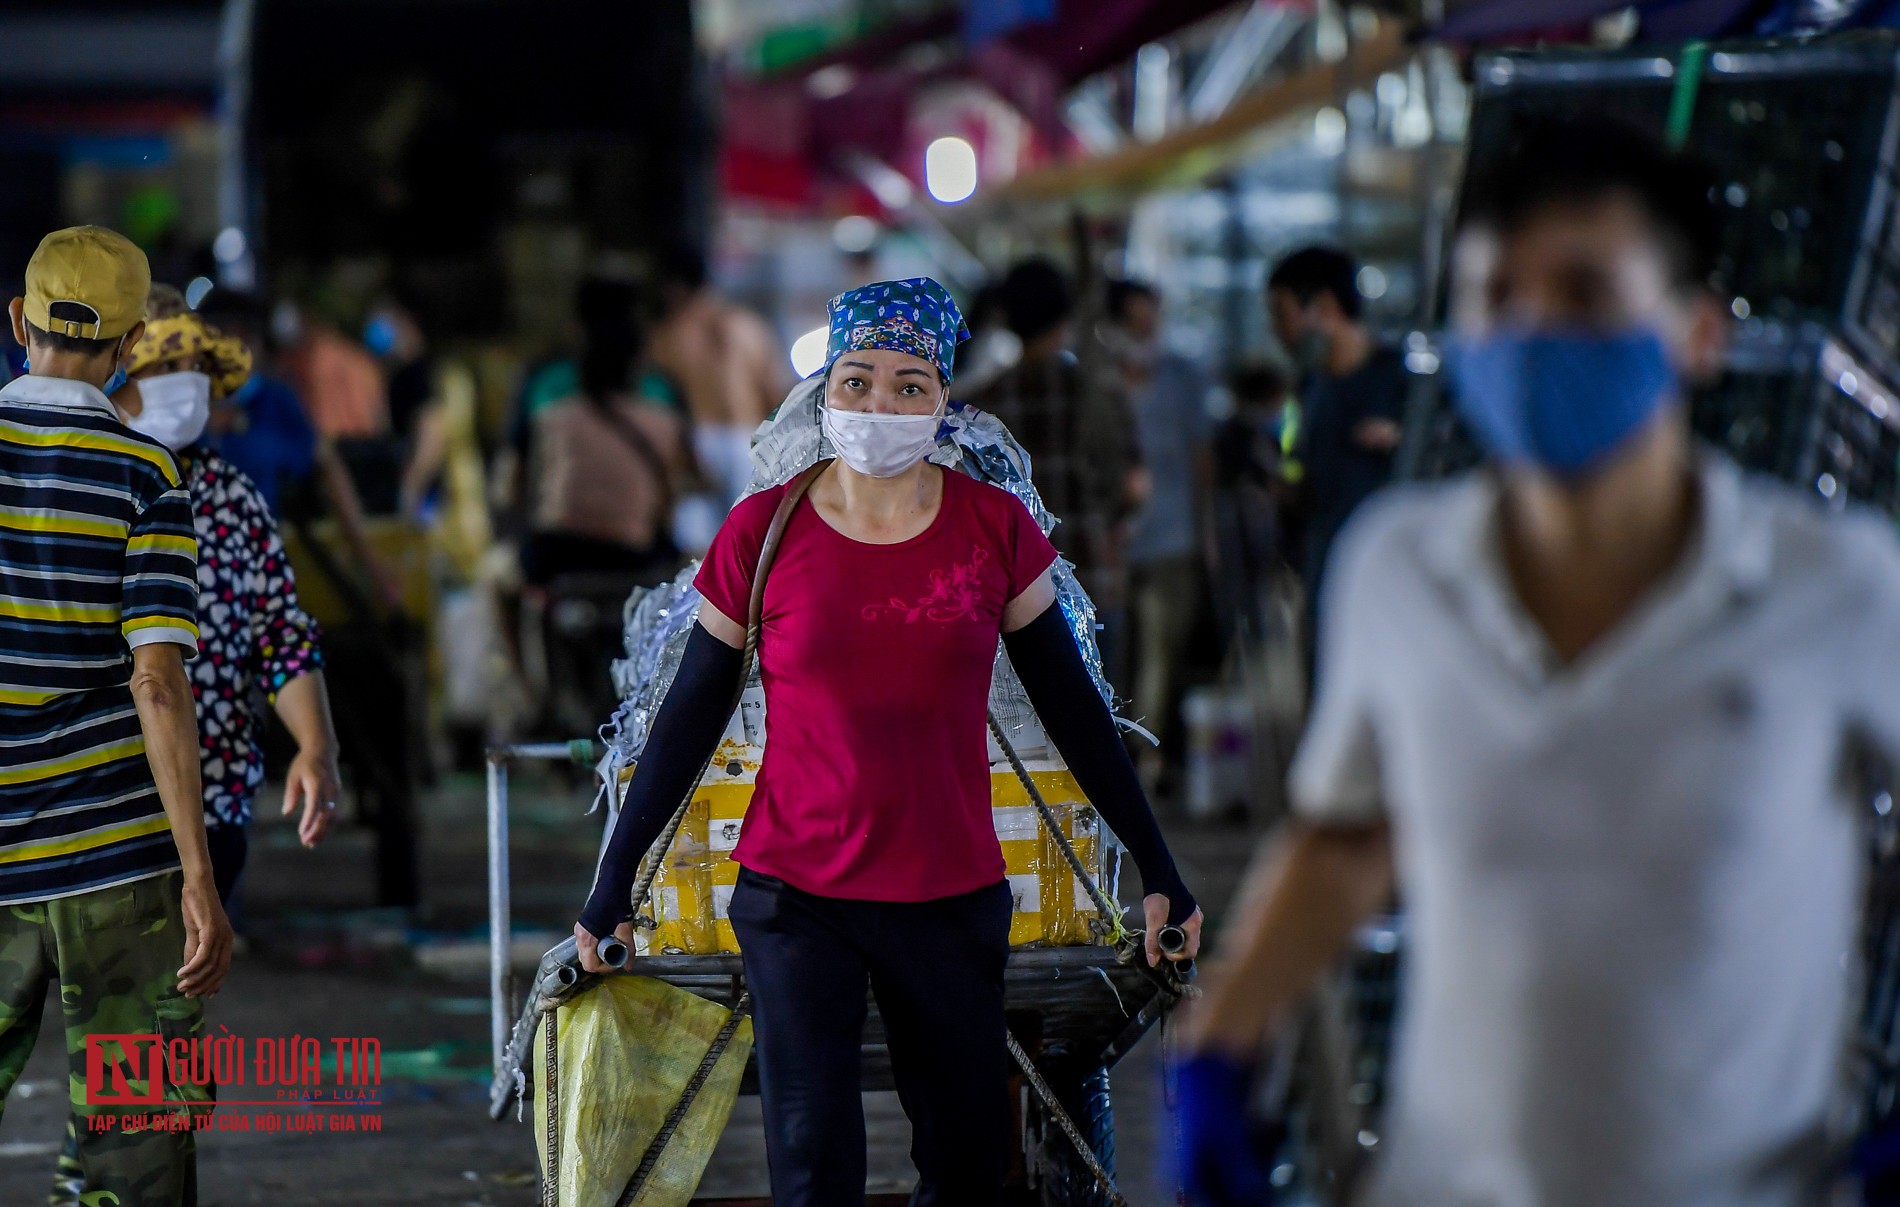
[876,663]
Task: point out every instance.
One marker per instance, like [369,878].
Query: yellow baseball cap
[87,281]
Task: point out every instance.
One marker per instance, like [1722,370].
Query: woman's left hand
[313,781]
[1154,910]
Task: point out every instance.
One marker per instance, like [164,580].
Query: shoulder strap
[630,435]
[768,551]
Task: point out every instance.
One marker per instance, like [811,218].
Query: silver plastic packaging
[658,620]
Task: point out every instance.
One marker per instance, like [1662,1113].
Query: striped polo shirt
[97,555]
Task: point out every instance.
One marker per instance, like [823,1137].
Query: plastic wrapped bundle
[655,623]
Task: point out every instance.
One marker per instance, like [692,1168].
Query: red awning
[777,119]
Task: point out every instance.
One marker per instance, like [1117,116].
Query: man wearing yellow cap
[104,874]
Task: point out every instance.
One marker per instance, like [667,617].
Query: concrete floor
[320,962]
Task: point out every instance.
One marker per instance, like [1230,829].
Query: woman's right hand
[590,947]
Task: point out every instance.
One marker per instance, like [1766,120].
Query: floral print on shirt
[954,594]
[253,637]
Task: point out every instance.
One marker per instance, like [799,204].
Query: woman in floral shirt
[256,645]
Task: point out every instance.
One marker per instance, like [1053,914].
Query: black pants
[228,845]
[937,970]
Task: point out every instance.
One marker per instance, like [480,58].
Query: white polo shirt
[1632,884]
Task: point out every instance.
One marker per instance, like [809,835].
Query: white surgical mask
[880,446]
[177,405]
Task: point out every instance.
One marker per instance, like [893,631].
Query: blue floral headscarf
[915,315]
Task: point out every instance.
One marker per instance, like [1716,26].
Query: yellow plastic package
[627,1047]
[694,885]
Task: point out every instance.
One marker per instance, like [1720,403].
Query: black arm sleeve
[686,731]
[1078,722]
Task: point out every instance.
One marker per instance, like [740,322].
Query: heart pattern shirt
[253,638]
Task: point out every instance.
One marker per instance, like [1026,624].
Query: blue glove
[1217,1159]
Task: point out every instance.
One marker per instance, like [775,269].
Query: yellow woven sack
[627,1047]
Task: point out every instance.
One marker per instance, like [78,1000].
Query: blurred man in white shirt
[1589,707]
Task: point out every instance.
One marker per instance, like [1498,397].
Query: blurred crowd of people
[619,454]
[1185,497]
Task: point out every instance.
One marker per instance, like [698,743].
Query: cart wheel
[1061,1177]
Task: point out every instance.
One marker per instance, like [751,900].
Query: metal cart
[1073,1012]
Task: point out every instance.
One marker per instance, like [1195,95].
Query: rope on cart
[650,866]
[1102,1179]
[656,854]
[677,1115]
[551,1183]
[1110,912]
[1118,936]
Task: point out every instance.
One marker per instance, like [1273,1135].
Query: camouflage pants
[115,955]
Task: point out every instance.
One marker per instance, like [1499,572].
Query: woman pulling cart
[869,856]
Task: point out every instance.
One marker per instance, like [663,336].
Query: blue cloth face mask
[112,383]
[1563,401]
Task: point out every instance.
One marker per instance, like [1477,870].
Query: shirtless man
[727,363]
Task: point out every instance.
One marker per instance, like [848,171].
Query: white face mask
[880,446]
[177,406]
